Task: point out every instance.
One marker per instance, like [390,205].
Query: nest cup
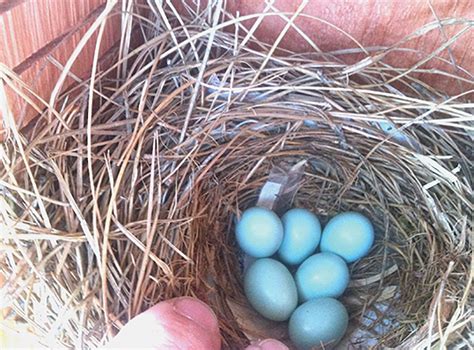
[124,192]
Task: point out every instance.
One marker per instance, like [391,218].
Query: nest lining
[124,192]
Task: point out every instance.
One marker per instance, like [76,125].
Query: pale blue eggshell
[349,235]
[270,289]
[318,323]
[259,232]
[322,275]
[301,235]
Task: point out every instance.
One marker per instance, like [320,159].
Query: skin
[180,323]
[187,323]
[371,23]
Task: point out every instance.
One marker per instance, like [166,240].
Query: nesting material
[125,190]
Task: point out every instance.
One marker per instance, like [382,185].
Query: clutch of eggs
[291,243]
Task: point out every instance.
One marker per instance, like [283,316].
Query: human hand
[179,323]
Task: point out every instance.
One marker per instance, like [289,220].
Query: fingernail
[253,347]
[197,311]
[267,344]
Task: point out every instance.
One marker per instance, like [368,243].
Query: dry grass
[124,192]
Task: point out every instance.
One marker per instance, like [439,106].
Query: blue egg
[270,289]
[259,232]
[322,275]
[318,324]
[349,235]
[301,235]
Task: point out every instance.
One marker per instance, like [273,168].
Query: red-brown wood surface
[36,33]
[372,23]
[30,25]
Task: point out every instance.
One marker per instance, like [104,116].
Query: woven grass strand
[126,197]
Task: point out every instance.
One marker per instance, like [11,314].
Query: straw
[124,191]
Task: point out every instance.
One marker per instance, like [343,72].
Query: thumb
[180,323]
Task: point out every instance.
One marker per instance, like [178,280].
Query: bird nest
[124,192]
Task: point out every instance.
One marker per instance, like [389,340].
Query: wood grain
[30,25]
[372,23]
[34,31]
[42,74]
[39,33]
